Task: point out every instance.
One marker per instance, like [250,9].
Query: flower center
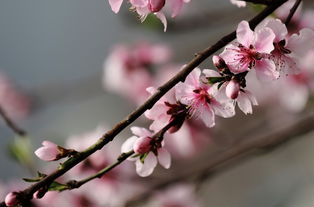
[202,95]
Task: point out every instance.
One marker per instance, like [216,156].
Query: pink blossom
[288,50]
[126,70]
[48,152]
[11,199]
[146,165]
[165,110]
[231,90]
[146,7]
[201,98]
[251,52]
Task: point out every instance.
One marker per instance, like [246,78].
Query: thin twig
[292,11]
[11,124]
[265,2]
[263,143]
[27,194]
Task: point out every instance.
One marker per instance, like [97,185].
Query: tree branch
[27,194]
[11,124]
[250,145]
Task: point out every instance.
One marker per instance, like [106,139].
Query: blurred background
[54,52]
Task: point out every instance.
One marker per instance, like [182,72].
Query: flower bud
[219,62]
[156,5]
[232,89]
[48,152]
[142,145]
[11,199]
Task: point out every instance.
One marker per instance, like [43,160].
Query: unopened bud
[51,152]
[219,62]
[11,199]
[156,5]
[142,145]
[232,89]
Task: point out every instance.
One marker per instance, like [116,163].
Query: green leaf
[213,80]
[55,186]
[21,150]
[31,180]
[38,178]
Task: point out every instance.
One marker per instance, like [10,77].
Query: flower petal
[141,132]
[146,168]
[245,35]
[162,18]
[128,144]
[264,42]
[207,115]
[300,44]
[244,103]
[115,5]
[266,70]
[164,158]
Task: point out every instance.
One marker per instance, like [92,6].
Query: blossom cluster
[156,7]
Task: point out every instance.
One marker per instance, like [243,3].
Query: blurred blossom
[180,195]
[14,102]
[128,69]
[146,7]
[189,140]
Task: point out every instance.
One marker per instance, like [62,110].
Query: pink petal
[115,5]
[207,115]
[266,70]
[47,153]
[244,103]
[264,42]
[300,43]
[164,158]
[225,110]
[193,78]
[146,168]
[128,144]
[245,35]
[279,29]
[211,73]
[157,110]
[141,132]
[139,3]
[47,143]
[176,6]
